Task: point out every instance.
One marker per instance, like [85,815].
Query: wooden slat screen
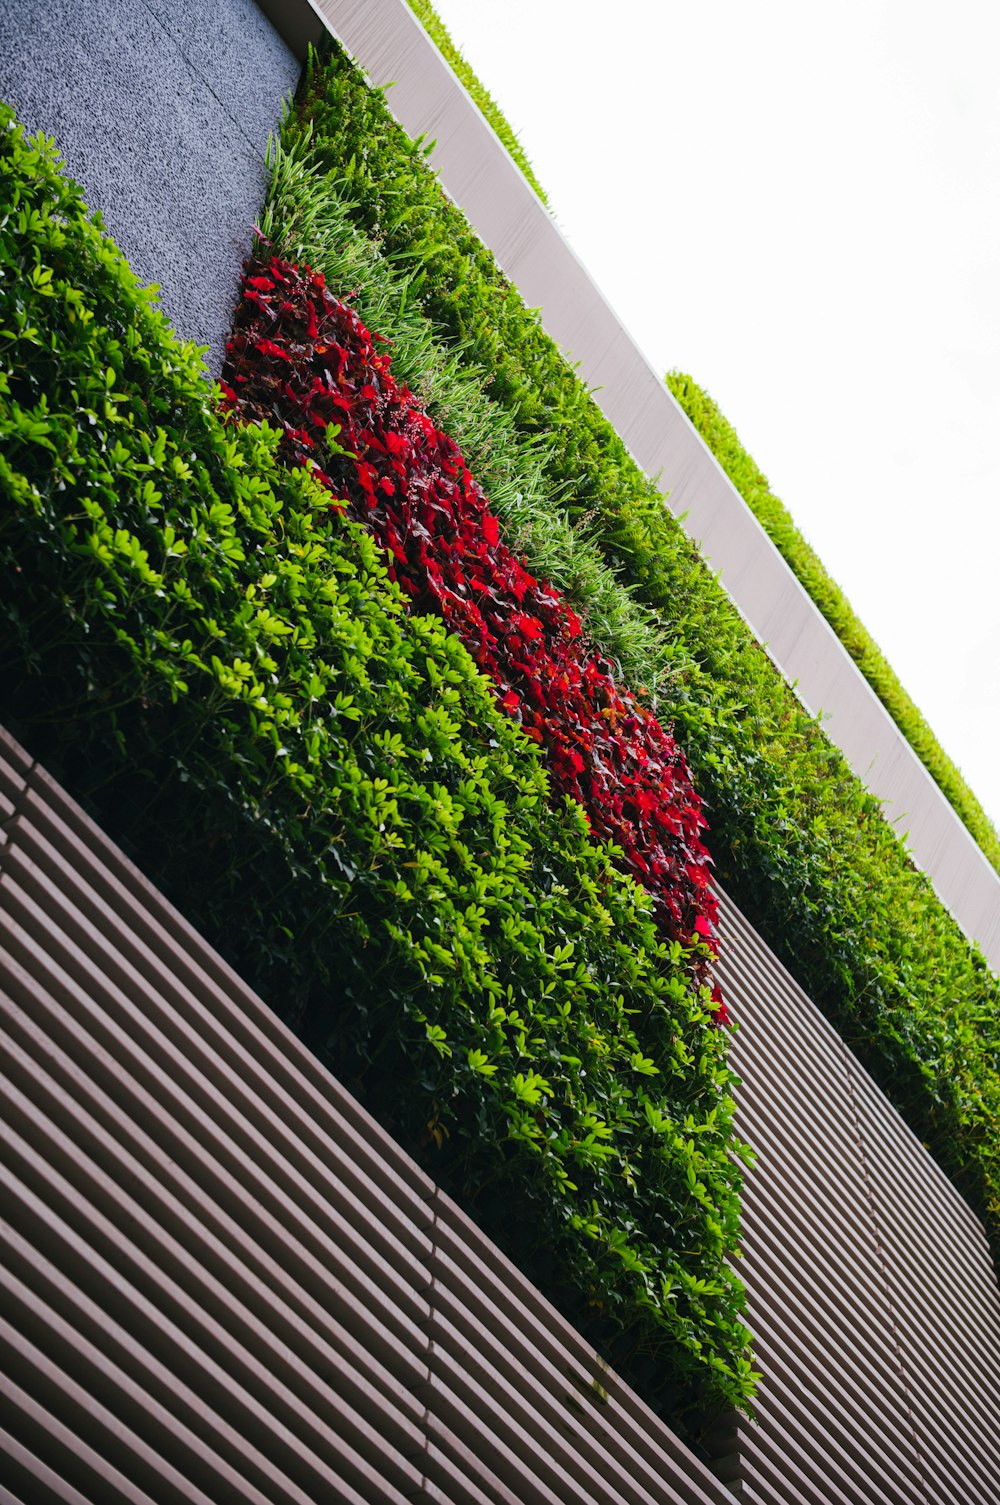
[223,1282]
[873,1297]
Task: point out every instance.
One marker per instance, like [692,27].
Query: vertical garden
[428,865]
[388,664]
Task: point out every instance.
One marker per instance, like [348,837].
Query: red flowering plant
[302,359]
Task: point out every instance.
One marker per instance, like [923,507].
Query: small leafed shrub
[326,781]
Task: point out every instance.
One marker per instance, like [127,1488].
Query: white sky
[801,207]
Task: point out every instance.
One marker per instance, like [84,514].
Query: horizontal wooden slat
[39,1437]
[206,1233]
[207,1239]
[519,1334]
[153,935]
[212,1097]
[869,1278]
[251,1402]
[217,1260]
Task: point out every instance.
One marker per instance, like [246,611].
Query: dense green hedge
[214,654]
[438,32]
[798,841]
[752,484]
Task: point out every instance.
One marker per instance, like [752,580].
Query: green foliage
[752,484]
[798,841]
[218,657]
[487,105]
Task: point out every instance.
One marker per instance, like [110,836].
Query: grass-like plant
[308,219]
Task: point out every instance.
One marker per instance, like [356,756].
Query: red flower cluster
[303,360]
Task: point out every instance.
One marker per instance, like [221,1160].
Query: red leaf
[268,347]
[444,545]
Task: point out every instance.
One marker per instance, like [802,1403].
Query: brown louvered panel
[162,946]
[816,1285]
[207,1094]
[839,1450]
[15,766]
[524,1336]
[914,1206]
[541,1400]
[159,1410]
[208,1240]
[795,1368]
[851,1222]
[27,1473]
[44,1458]
[228,1273]
[52,1383]
[947,1329]
[168,1233]
[210,1245]
[811,1249]
[251,1403]
[90,1004]
[814,1281]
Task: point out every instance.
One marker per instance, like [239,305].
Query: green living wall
[209,651]
[750,481]
[797,840]
[207,648]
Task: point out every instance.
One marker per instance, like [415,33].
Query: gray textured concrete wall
[161,109]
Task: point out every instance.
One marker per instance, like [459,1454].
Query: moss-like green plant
[798,841]
[216,656]
[750,481]
[491,111]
